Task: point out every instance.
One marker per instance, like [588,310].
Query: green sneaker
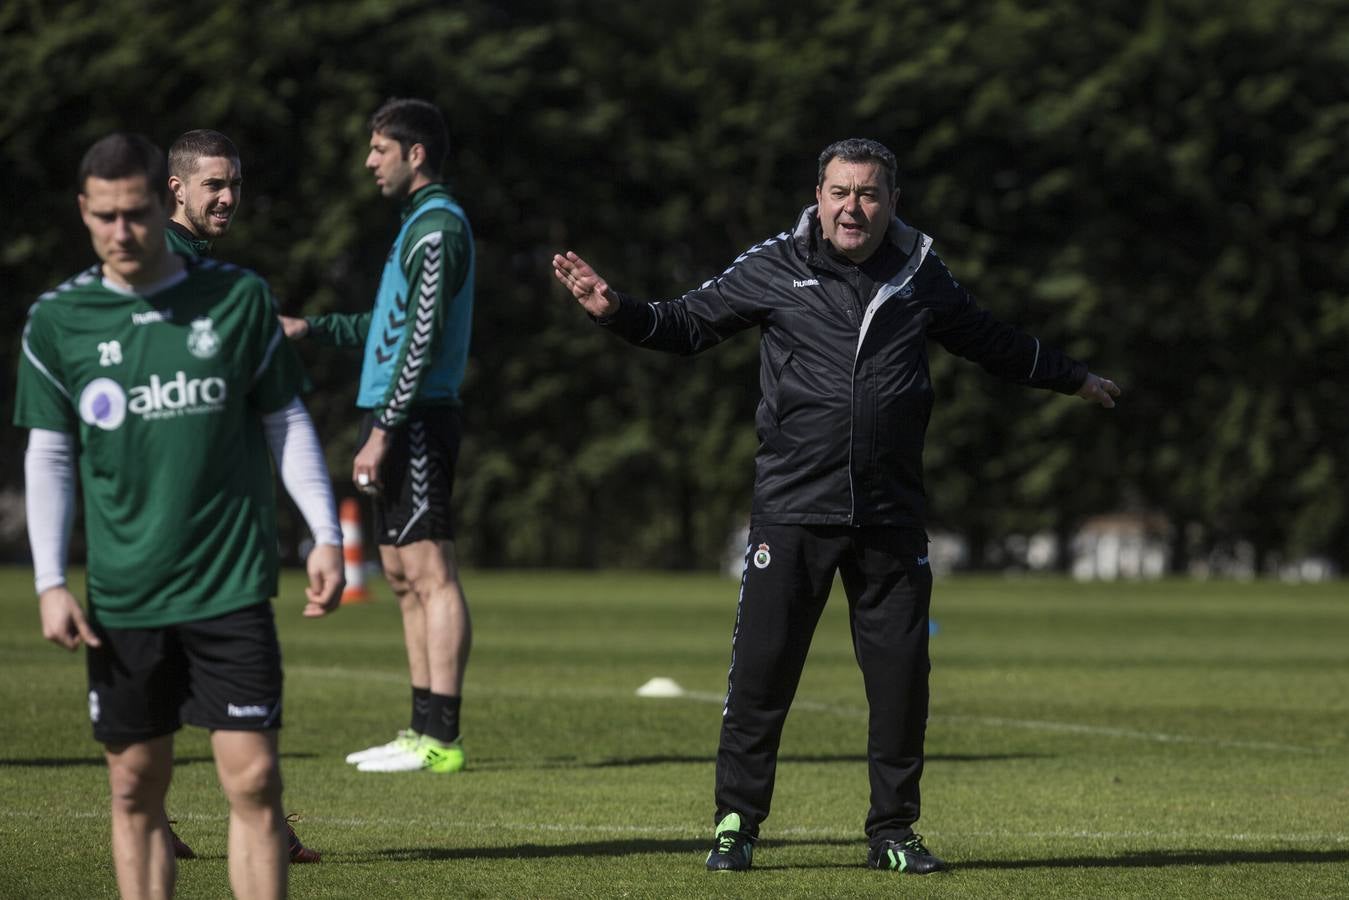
[429,755]
[908,855]
[734,848]
[438,757]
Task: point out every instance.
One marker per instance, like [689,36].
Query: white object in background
[660,687]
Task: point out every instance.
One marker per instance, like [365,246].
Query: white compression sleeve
[299,458]
[49,501]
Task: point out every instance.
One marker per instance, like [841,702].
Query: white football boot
[407,739]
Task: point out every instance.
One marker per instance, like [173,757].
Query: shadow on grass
[1148,859]
[628,847]
[1140,860]
[634,761]
[58,762]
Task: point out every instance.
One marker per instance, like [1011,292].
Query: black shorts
[418,476]
[222,673]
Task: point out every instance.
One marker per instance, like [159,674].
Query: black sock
[442,719]
[421,705]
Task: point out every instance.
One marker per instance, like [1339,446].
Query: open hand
[585,284]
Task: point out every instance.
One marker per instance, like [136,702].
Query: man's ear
[416,157]
[176,191]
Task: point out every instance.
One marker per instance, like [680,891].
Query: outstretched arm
[333,329]
[701,318]
[585,284]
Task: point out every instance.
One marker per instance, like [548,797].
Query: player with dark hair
[157,376]
[416,347]
[409,122]
[206,182]
[845,304]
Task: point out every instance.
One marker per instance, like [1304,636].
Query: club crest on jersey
[202,341]
[103,404]
[762,557]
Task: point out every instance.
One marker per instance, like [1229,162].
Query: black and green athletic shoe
[908,855]
[734,848]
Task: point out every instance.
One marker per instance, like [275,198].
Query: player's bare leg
[250,774]
[419,668]
[438,636]
[437,633]
[447,630]
[138,778]
[414,616]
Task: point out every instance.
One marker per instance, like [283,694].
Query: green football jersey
[184,242]
[164,396]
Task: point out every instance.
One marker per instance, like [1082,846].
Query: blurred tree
[1158,188]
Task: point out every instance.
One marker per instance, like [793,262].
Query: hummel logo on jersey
[922,560]
[155,315]
[255,711]
[808,282]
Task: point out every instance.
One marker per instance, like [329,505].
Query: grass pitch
[1163,740]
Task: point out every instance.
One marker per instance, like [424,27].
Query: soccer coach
[845,304]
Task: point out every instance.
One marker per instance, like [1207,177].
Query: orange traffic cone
[353,552]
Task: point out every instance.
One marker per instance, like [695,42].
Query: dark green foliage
[1159,188]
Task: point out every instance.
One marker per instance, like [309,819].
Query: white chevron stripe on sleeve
[419,339]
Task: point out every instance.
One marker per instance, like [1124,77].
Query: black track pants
[789,571]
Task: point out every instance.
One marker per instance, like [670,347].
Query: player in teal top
[416,344]
[146,371]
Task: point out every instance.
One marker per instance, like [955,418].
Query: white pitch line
[696,831]
[1105,731]
[1155,737]
[1038,725]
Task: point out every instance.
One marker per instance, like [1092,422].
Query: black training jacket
[843,369]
